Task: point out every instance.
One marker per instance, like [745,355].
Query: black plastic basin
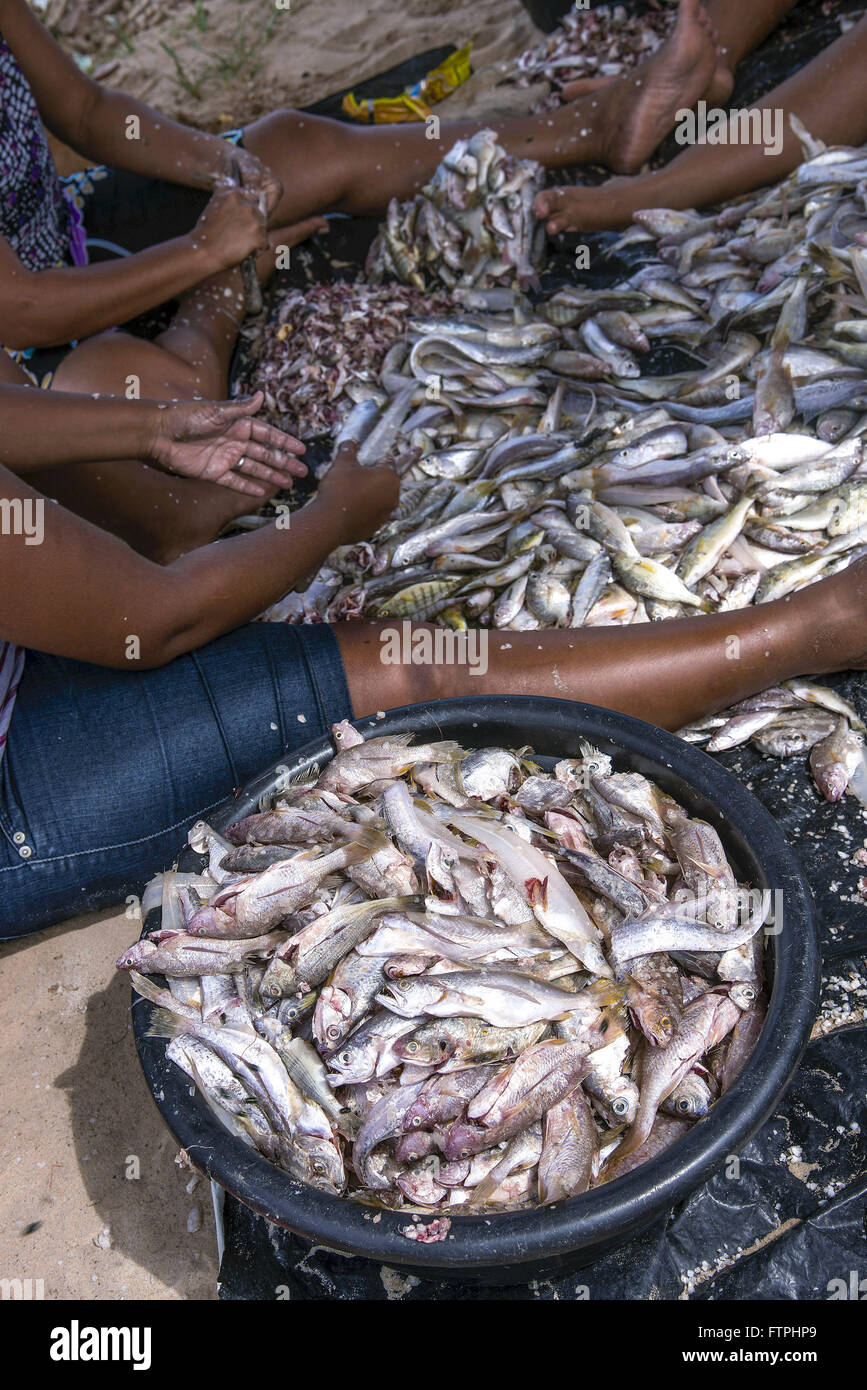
[511,1247]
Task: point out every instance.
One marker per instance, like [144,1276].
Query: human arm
[197,439]
[111,127]
[48,307]
[83,593]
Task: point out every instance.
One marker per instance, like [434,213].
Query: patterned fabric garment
[11,666]
[35,216]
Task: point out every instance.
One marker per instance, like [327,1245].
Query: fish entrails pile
[604,42]
[437,979]
[557,483]
[324,349]
[472,225]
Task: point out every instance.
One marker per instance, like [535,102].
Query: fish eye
[620,1107]
[665,1021]
[411,1047]
[333,1031]
[402,985]
[444,1047]
[683,1105]
[465,1153]
[747,992]
[318,1168]
[345,1058]
[416,1121]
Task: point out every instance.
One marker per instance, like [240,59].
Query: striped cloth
[11,666]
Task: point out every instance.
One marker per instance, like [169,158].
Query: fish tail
[163,998]
[449,751]
[164,1024]
[367,842]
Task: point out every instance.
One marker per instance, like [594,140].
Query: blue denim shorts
[105,771]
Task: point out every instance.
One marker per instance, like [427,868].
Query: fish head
[345,736]
[427,1047]
[832,779]
[331,1018]
[409,995]
[693,1098]
[209,921]
[411,1147]
[320,1162]
[294,1009]
[354,1064]
[623,1104]
[743,994]
[655,1021]
[136,955]
[463,1140]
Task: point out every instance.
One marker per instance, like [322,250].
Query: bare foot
[642,107]
[716,93]
[629,116]
[580,209]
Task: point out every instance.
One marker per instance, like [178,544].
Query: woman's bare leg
[741,25]
[158,514]
[669,673]
[328,166]
[826,96]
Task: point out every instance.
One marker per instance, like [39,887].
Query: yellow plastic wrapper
[415,103]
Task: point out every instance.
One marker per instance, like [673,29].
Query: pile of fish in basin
[434,979]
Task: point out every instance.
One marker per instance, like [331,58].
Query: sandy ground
[220,63]
[77,1118]
[75,1104]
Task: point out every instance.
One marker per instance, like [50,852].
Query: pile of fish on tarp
[439,978]
[549,481]
[473,224]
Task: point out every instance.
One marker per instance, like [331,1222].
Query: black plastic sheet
[787,1218]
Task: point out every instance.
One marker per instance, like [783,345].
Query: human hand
[361,498]
[231,227]
[221,442]
[255,176]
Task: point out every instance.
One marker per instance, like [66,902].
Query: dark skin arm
[196,439]
[50,307]
[111,127]
[83,593]
[47,307]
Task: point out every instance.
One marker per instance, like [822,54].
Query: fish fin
[449,751]
[486,1187]
[163,998]
[606,993]
[165,1025]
